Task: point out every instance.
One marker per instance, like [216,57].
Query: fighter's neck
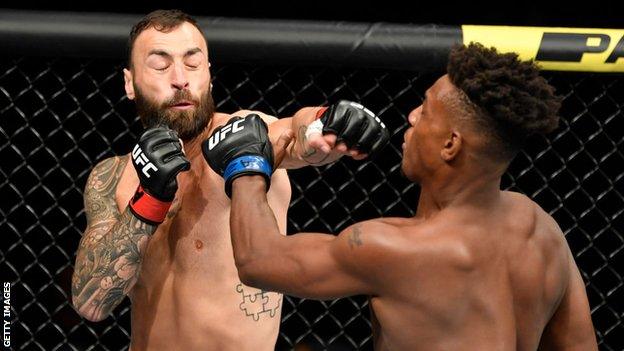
[466,192]
[192,147]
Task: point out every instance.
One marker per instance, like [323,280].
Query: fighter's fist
[240,147]
[157,159]
[355,125]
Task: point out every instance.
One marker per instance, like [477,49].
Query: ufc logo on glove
[238,148]
[220,134]
[140,159]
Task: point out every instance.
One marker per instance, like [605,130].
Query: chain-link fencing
[58,117]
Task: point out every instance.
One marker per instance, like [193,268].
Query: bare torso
[468,281]
[188,295]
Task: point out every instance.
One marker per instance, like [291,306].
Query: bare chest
[195,234]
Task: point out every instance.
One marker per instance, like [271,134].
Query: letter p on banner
[555,49]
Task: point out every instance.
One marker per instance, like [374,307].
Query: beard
[187,123]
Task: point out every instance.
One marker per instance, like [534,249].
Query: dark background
[600,14]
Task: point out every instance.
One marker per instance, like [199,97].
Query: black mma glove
[355,125]
[240,147]
[157,159]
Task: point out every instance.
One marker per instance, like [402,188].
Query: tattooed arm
[110,252]
[317,150]
[310,265]
[303,151]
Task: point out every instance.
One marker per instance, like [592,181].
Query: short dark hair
[510,99]
[161,20]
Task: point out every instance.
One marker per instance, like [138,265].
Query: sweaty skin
[475,268]
[180,275]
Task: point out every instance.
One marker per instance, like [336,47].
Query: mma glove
[355,125]
[240,147]
[157,159]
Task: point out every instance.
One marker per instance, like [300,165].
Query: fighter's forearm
[254,230]
[267,260]
[300,153]
[108,265]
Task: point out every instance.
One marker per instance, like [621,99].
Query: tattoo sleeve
[110,252]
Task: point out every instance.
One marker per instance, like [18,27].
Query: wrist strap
[248,164]
[320,112]
[148,208]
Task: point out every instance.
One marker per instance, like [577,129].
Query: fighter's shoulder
[100,189]
[381,225]
[375,235]
[107,169]
[111,161]
[437,241]
[268,119]
[367,247]
[537,214]
[539,224]
[518,198]
[386,242]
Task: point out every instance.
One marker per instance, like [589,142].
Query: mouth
[183,105]
[405,136]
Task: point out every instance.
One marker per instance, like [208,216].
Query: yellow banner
[556,49]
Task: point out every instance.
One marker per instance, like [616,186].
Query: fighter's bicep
[354,252]
[350,263]
[99,193]
[364,249]
[316,269]
[101,209]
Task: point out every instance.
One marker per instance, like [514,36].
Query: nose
[179,80]
[413,116]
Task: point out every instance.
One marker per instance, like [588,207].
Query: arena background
[61,113]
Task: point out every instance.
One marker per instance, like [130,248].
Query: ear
[452,146]
[128,83]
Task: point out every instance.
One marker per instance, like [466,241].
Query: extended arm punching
[311,265]
[324,134]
